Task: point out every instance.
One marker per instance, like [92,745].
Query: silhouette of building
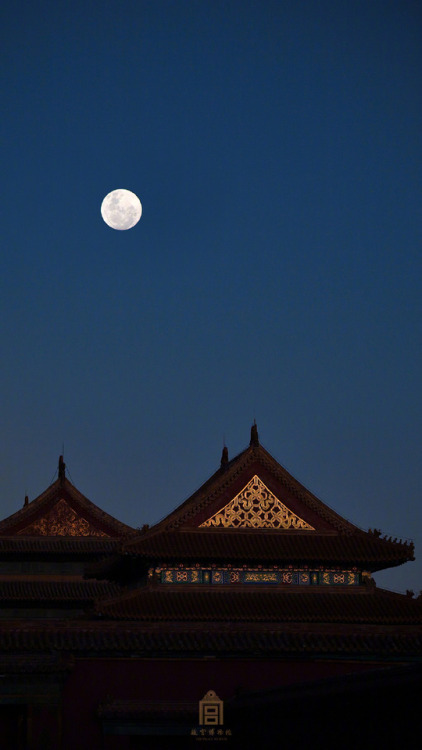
[252,604]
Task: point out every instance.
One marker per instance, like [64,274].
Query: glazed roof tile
[88,637]
[181,536]
[35,663]
[359,548]
[233,476]
[54,591]
[57,545]
[232,604]
[62,491]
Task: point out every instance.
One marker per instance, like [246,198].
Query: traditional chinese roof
[361,548]
[53,591]
[62,513]
[228,604]
[56,547]
[35,663]
[252,509]
[79,636]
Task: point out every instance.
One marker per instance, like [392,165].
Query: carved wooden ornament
[61,520]
[257,507]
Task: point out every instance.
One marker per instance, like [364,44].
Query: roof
[56,546]
[359,548]
[35,663]
[229,604]
[192,639]
[252,509]
[53,591]
[232,477]
[62,511]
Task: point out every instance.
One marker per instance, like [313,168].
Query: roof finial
[62,469]
[254,435]
[26,501]
[224,458]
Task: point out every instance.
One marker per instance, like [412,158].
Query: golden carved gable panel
[257,507]
[61,520]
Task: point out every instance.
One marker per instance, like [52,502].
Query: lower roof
[57,546]
[53,591]
[248,641]
[363,604]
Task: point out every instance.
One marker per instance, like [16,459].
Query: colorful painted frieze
[280,577]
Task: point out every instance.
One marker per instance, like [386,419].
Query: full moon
[121,209]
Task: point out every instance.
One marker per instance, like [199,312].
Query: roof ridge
[221,480]
[61,489]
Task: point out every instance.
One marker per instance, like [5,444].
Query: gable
[61,520]
[255,506]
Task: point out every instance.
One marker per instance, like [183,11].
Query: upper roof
[253,509]
[62,511]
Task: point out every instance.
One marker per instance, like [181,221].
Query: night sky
[275,273]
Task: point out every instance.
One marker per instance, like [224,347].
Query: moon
[121,209]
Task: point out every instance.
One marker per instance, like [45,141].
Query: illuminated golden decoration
[256,507]
[61,520]
[260,578]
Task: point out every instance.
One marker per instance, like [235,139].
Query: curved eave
[18,547]
[54,592]
[95,637]
[259,604]
[362,550]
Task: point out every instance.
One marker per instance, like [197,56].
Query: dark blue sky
[275,273]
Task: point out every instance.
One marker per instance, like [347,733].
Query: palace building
[248,615]
[44,549]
